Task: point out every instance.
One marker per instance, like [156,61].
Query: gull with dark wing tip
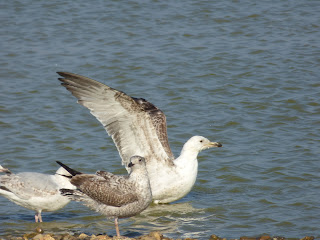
[35,191]
[137,127]
[113,195]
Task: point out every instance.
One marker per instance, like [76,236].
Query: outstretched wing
[136,126]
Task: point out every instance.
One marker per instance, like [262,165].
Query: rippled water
[243,73]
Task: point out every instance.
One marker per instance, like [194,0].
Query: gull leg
[117,226]
[38,217]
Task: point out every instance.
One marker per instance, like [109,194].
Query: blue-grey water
[244,73]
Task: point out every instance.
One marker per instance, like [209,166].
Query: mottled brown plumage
[113,195]
[112,191]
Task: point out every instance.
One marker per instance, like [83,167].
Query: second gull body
[112,195]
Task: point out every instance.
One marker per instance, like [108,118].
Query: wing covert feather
[113,191]
[26,185]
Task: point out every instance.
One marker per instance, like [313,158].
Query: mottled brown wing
[104,174]
[136,126]
[159,122]
[116,191]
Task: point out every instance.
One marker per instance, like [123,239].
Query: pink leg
[38,217]
[117,227]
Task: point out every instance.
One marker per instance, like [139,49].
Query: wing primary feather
[70,170]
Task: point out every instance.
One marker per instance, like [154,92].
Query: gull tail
[66,192]
[5,170]
[75,195]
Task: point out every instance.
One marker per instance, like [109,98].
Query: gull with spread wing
[137,127]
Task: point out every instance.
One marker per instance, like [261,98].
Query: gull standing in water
[35,191]
[113,195]
[137,127]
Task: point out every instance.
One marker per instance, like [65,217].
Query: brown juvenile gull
[113,195]
[137,127]
[35,191]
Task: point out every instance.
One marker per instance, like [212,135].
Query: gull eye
[201,141]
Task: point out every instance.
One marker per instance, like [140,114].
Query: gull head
[200,143]
[136,161]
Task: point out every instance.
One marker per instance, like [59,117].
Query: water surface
[239,72]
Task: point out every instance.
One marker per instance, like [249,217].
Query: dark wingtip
[62,73]
[5,189]
[65,75]
[66,192]
[70,170]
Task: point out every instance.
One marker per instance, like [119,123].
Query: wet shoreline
[40,235]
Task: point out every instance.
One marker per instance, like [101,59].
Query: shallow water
[242,73]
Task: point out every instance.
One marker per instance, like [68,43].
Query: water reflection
[167,218]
